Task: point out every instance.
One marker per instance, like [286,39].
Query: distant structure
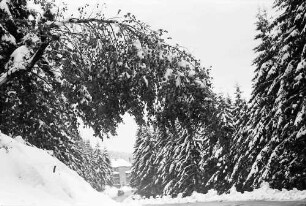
[121,172]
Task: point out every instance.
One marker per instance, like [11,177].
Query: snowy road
[243,203]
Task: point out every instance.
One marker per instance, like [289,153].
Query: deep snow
[27,178]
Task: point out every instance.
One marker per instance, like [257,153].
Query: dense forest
[241,144]
[56,71]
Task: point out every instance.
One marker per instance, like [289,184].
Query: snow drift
[264,193]
[31,176]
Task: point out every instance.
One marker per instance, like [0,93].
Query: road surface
[241,203]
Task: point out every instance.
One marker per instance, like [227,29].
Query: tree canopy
[57,70]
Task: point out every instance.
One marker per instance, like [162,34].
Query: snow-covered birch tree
[55,70]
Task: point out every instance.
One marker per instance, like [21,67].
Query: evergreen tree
[240,109]
[288,169]
[187,156]
[239,118]
[187,144]
[272,141]
[93,164]
[215,157]
[144,169]
[101,167]
[195,110]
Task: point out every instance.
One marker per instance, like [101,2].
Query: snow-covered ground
[27,177]
[262,194]
[240,203]
[113,191]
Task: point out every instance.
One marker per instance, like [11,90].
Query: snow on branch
[21,60]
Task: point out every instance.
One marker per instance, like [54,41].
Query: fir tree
[187,157]
[273,138]
[240,109]
[215,157]
[101,167]
[144,169]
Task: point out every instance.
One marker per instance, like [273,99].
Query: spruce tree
[165,160]
[272,141]
[215,158]
[239,109]
[101,168]
[187,157]
[144,170]
[288,169]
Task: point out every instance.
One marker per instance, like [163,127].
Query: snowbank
[264,193]
[31,176]
[112,192]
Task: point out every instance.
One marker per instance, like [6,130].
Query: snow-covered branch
[21,60]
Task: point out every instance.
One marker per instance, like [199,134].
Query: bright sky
[218,32]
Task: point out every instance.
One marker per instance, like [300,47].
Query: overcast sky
[218,32]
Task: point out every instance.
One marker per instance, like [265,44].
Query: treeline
[238,146]
[180,159]
[91,163]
